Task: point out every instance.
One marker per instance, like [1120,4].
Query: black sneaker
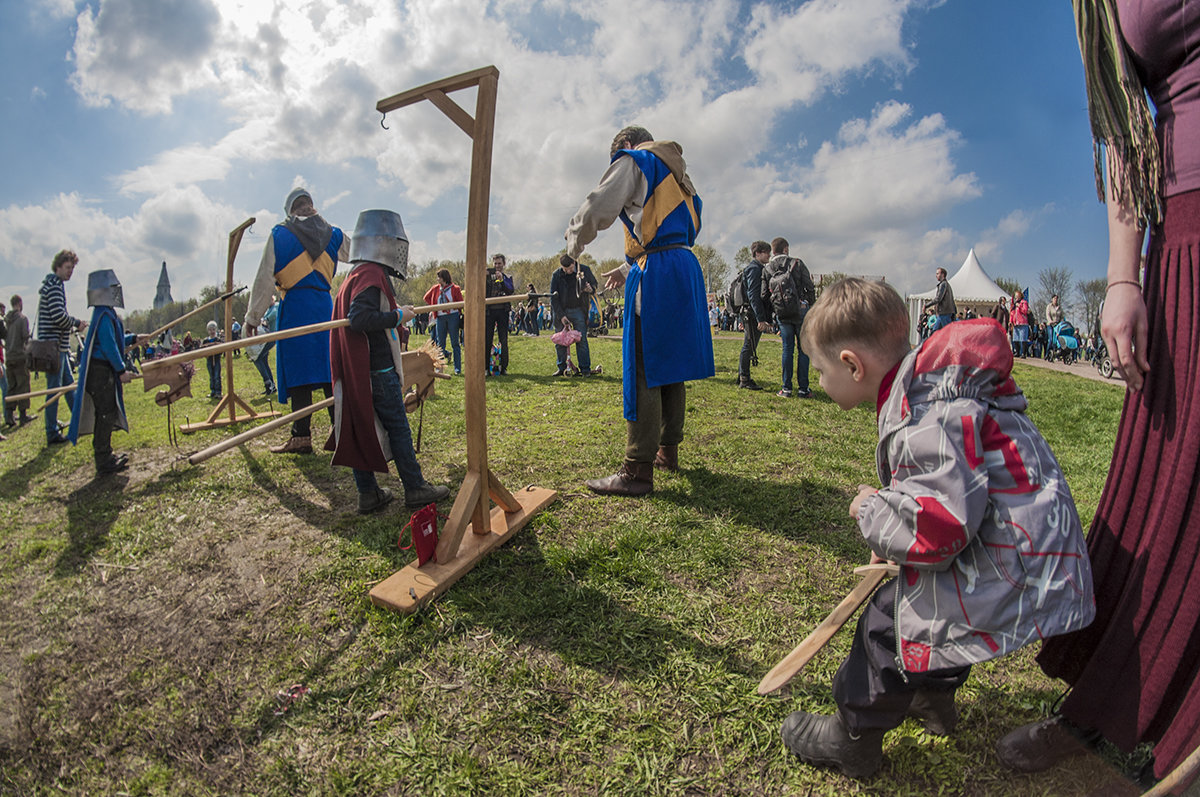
[559,372]
[57,440]
[750,384]
[804,394]
[113,464]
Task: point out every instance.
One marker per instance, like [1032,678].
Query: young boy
[974,509]
[214,362]
[371,424]
[100,406]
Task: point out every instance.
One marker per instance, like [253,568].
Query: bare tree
[1091,296]
[1054,281]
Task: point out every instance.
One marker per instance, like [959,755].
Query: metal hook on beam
[382,120]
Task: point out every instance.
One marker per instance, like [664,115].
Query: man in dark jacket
[942,304]
[756,317]
[791,300]
[571,285]
[497,283]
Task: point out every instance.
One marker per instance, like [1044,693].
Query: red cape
[355,439]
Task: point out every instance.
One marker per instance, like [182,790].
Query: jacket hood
[670,153]
[50,281]
[970,359]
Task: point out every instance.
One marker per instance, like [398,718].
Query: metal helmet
[379,237]
[104,289]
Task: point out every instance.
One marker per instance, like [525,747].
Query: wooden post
[229,398]
[410,588]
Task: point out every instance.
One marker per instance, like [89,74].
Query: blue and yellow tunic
[676,341]
[304,284]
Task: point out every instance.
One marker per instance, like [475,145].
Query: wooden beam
[445,85]
[452,110]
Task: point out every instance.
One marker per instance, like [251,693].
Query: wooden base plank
[200,427]
[411,588]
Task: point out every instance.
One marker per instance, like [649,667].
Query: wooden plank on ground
[409,589]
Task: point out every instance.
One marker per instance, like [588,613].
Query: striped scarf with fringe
[1119,113]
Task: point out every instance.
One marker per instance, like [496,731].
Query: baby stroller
[1101,360]
[1066,341]
[595,318]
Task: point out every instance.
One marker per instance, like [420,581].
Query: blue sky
[879,136]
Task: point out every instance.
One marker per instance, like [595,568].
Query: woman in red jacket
[447,322]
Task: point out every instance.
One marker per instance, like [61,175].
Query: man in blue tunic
[666,337]
[299,260]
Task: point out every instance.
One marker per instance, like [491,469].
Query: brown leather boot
[294,445]
[633,479]
[667,458]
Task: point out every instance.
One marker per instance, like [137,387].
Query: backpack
[780,289]
[735,295]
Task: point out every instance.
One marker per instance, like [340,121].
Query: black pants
[497,322]
[101,387]
[300,397]
[869,688]
[749,347]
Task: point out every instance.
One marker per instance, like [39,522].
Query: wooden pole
[230,345]
[407,590]
[250,434]
[191,313]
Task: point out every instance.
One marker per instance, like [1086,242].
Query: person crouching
[370,423]
[974,509]
[100,406]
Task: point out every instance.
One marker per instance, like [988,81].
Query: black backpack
[735,295]
[780,289]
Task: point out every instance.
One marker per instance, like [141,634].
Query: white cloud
[297,82]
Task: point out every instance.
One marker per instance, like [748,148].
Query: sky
[881,137]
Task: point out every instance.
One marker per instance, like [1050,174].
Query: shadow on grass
[91,512]
[15,483]
[808,511]
[316,470]
[519,594]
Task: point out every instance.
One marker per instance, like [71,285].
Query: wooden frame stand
[230,401]
[412,587]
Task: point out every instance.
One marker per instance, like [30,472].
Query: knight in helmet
[103,369]
[299,261]
[371,424]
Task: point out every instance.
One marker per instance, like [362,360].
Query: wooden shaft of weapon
[58,391]
[36,393]
[794,662]
[191,313]
[1177,776]
[237,440]
[230,345]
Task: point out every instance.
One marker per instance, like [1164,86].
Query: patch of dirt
[176,659]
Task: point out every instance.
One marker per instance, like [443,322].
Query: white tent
[971,286]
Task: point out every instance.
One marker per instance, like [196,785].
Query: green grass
[612,646]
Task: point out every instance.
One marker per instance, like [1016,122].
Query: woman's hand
[865,491]
[1124,328]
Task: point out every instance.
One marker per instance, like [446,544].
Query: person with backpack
[790,288]
[756,314]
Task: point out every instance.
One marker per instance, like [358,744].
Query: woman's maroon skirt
[1134,670]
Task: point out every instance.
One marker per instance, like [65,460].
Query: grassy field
[152,620]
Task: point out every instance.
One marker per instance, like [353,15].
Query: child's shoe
[820,739]
[936,710]
[1040,745]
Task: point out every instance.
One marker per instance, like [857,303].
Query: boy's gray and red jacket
[974,507]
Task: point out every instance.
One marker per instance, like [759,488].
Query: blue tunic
[304,284]
[104,340]
[676,340]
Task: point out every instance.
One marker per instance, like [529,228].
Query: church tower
[163,297]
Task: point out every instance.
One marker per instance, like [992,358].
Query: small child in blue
[100,406]
[974,509]
[213,362]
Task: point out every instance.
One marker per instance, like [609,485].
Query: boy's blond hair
[857,311]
